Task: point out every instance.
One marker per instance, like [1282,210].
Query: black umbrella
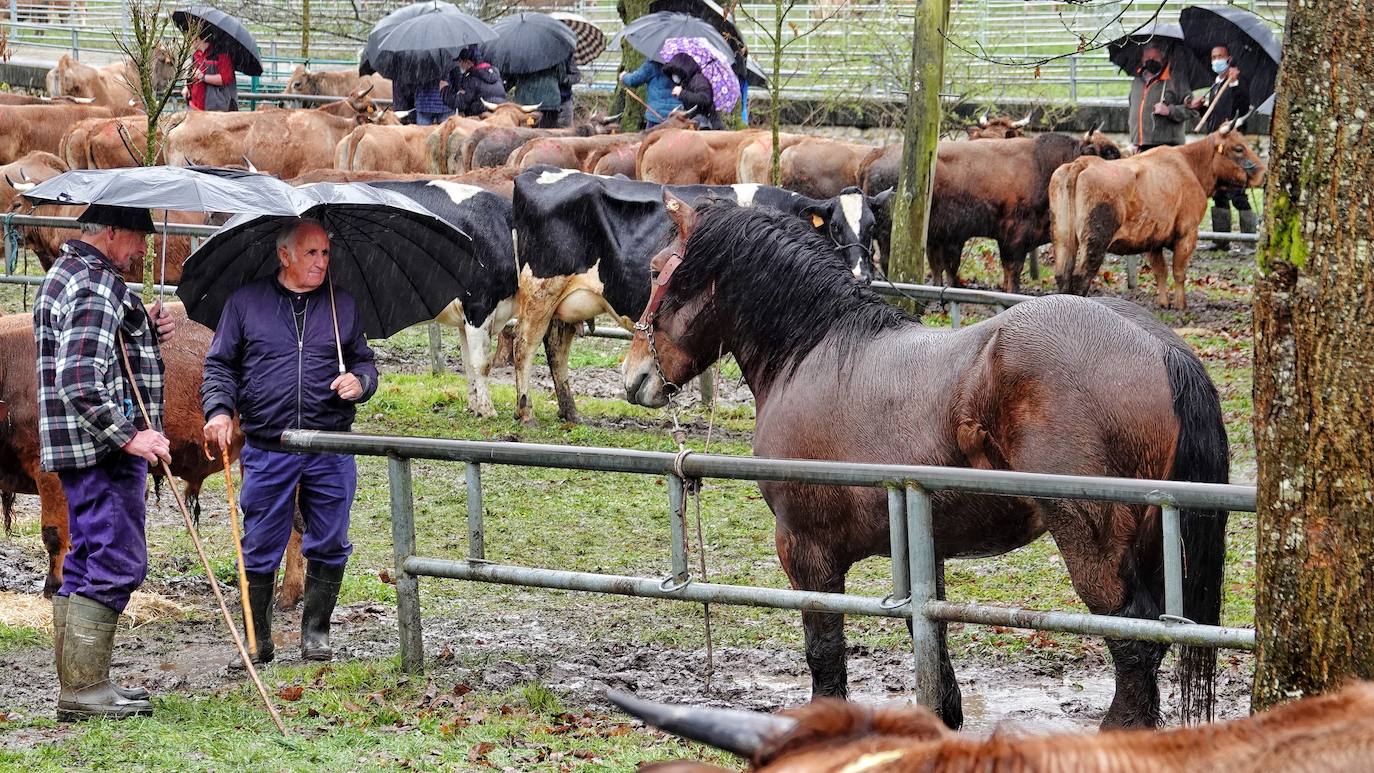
[529,42]
[591,41]
[227,33]
[419,43]
[1125,53]
[1254,50]
[398,260]
[648,33]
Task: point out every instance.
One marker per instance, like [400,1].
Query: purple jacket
[275,380]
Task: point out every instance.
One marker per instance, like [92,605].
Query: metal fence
[912,546]
[835,48]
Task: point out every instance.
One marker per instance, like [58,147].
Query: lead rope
[701,539]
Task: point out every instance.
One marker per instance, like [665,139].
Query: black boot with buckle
[261,587]
[321,593]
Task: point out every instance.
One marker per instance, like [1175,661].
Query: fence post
[76,44]
[901,562]
[954,316]
[678,521]
[1173,562]
[706,382]
[925,639]
[436,349]
[1132,272]
[477,543]
[403,547]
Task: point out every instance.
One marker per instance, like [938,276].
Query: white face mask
[1220,66]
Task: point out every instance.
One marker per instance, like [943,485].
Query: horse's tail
[1201,454]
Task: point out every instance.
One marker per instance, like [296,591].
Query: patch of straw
[33,611]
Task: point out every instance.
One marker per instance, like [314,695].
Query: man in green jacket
[1159,114]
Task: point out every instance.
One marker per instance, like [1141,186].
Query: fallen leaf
[291,694]
[445,655]
[385,576]
[461,689]
[480,750]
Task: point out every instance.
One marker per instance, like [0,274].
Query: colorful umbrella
[714,64]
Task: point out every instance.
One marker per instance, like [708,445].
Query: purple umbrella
[714,64]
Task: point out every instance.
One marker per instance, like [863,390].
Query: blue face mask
[1220,66]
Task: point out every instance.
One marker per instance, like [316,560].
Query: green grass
[21,637]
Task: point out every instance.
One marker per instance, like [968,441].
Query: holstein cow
[584,244]
[183,357]
[25,128]
[444,148]
[25,173]
[280,142]
[116,86]
[1145,203]
[1316,734]
[335,83]
[108,143]
[678,157]
[492,146]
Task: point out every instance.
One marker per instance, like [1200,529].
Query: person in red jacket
[211,85]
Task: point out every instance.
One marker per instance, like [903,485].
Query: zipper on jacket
[300,357]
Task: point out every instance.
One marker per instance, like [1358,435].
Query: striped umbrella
[591,41]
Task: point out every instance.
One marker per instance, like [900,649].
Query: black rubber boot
[321,593]
[87,644]
[59,630]
[1221,223]
[261,588]
[1248,225]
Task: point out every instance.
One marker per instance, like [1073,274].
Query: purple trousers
[268,499]
[108,558]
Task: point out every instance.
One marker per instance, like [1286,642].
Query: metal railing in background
[912,546]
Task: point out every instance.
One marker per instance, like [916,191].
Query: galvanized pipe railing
[915,564]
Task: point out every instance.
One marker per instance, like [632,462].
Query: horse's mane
[785,286]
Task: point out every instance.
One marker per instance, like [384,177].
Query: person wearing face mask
[1231,96]
[1159,114]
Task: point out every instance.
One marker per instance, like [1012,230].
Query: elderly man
[1158,112]
[96,345]
[1228,98]
[289,353]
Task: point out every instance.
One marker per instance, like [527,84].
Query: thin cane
[1215,100]
[631,92]
[162,275]
[200,550]
[248,626]
[334,315]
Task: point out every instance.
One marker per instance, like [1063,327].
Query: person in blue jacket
[275,362]
[660,95]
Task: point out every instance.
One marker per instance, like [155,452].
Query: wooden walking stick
[200,550]
[238,551]
[631,92]
[1215,100]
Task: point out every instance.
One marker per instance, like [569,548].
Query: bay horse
[1061,384]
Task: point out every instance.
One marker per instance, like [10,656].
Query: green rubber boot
[87,644]
[59,630]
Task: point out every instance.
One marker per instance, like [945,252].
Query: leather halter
[661,280]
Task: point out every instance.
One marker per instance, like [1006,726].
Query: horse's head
[673,341]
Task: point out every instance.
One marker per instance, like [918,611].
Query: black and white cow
[584,245]
[489,285]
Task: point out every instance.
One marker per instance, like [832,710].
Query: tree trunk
[1314,362]
[632,118]
[911,205]
[305,30]
[775,97]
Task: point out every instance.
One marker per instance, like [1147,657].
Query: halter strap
[665,275]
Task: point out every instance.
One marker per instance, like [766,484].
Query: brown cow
[11,98]
[335,83]
[116,86]
[280,142]
[1146,203]
[397,149]
[19,176]
[183,357]
[679,157]
[492,146]
[585,154]
[820,167]
[756,157]
[1000,128]
[25,128]
[615,160]
[108,143]
[1320,733]
[444,148]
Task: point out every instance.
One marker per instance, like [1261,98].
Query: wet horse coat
[1058,385]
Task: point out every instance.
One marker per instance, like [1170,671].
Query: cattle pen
[912,547]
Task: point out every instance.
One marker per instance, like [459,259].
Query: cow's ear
[881,200]
[681,213]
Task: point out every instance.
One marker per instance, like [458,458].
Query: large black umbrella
[1254,49]
[530,42]
[591,41]
[419,43]
[1125,52]
[648,33]
[185,189]
[227,33]
[713,14]
[397,259]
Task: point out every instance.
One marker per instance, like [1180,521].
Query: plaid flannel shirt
[86,409]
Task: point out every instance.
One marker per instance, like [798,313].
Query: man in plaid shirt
[99,445]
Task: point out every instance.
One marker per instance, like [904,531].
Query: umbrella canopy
[1254,49]
[227,33]
[714,64]
[648,33]
[1125,52]
[419,43]
[591,41]
[185,189]
[707,11]
[530,42]
[397,259]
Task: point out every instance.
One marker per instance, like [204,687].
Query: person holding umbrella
[691,86]
[659,95]
[1158,114]
[224,47]
[212,85]
[94,337]
[290,352]
[1226,100]
[538,88]
[476,82]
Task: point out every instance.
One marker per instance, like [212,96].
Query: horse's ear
[681,213]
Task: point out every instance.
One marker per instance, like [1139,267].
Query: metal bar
[1173,562]
[896,523]
[137,287]
[1093,625]
[436,349]
[175,229]
[403,549]
[954,315]
[1228,236]
[281,96]
[644,587]
[925,631]
[949,294]
[477,541]
[1210,496]
[677,519]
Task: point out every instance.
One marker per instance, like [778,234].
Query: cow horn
[739,732]
[367,90]
[689,112]
[983,119]
[531,108]
[403,113]
[249,163]
[46,98]
[611,118]
[1024,121]
[20,187]
[88,100]
[490,106]
[1241,120]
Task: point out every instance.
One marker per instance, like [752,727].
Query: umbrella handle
[334,315]
[161,279]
